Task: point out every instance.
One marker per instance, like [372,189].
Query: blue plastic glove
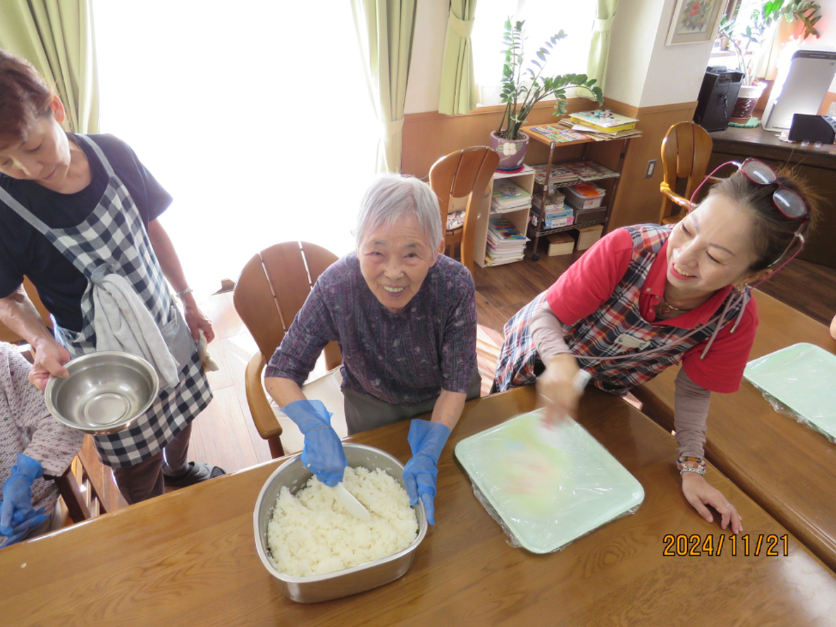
[21,529]
[17,496]
[426,439]
[323,452]
[13,539]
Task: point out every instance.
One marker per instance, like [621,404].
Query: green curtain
[458,85]
[56,36]
[599,48]
[385,29]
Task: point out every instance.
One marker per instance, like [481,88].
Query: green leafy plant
[522,89]
[759,26]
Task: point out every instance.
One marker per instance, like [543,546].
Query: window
[543,18]
[254,115]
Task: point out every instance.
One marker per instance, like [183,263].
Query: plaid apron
[114,239]
[601,336]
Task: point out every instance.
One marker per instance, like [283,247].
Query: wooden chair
[686,150]
[467,174]
[272,288]
[80,497]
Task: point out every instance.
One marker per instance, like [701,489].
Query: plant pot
[511,151]
[747,98]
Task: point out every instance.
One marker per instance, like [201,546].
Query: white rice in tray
[312,533]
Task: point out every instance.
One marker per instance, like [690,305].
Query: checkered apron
[595,336]
[114,236]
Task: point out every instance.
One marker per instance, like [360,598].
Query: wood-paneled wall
[429,136]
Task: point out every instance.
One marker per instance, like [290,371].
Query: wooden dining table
[189,558]
[787,467]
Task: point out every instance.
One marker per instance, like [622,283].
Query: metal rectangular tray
[342,582]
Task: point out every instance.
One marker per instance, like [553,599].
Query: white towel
[122,322]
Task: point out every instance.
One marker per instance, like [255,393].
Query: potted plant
[521,90]
[756,31]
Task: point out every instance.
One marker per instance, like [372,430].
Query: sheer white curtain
[543,18]
[253,114]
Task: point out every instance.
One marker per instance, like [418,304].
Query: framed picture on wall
[695,21]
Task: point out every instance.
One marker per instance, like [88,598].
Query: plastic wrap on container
[546,487]
[799,381]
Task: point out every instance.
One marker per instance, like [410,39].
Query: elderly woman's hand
[323,453]
[50,358]
[700,493]
[426,439]
[557,389]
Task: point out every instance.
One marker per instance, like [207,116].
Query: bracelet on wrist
[687,463]
[188,290]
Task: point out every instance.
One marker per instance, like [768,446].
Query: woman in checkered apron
[648,297]
[76,209]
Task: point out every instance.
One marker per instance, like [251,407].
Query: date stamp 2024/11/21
[696,545]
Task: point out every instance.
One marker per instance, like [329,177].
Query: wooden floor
[224,433]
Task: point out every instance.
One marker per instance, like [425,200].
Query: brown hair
[24,97]
[773,232]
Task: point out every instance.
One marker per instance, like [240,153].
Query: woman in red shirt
[647,297]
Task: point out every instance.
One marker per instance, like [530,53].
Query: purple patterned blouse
[402,359]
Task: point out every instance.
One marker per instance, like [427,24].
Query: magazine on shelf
[601,136]
[590,171]
[559,174]
[604,120]
[558,133]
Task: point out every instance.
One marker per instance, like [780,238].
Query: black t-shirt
[24,251]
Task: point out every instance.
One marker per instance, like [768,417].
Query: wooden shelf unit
[517,217]
[611,182]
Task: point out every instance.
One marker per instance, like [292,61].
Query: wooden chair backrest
[6,334]
[273,287]
[458,175]
[686,150]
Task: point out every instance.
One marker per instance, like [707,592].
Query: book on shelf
[590,171]
[604,120]
[503,231]
[558,133]
[494,261]
[507,196]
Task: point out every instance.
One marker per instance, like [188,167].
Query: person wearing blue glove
[16,511]
[426,439]
[323,452]
[33,447]
[404,317]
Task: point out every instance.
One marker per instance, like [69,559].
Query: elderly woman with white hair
[404,317]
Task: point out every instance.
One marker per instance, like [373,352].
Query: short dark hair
[772,232]
[24,97]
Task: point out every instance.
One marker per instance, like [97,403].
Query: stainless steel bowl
[342,582]
[105,392]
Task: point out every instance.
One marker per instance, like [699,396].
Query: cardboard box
[588,235]
[561,244]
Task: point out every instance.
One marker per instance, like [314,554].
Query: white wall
[642,70]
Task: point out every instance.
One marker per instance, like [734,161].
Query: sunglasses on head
[785,200]
[788,202]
